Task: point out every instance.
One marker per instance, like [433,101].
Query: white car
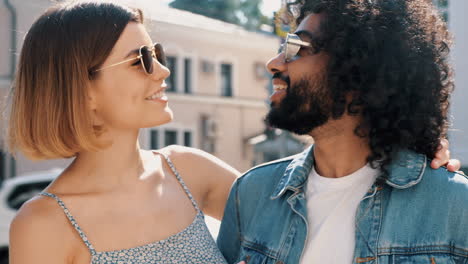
[13,193]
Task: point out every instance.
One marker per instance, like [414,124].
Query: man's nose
[276,64]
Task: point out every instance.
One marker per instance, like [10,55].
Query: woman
[86,84]
[89,78]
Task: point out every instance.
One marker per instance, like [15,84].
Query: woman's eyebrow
[135,51]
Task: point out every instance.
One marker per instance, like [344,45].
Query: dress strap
[181,181]
[72,221]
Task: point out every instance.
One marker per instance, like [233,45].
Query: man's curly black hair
[392,56]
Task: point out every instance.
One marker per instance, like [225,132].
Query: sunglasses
[292,45]
[146,56]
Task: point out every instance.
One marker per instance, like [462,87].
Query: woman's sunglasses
[146,55]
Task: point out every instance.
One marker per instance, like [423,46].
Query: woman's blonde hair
[49,115]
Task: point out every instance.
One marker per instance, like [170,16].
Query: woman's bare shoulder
[175,151]
[39,228]
[197,159]
[41,215]
[207,176]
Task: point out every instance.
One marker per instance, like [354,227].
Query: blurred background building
[219,87]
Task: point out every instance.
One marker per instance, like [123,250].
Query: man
[369,80]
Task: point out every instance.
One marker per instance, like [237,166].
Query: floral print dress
[194,244]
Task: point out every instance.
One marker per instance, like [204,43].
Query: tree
[224,10]
[241,12]
[254,18]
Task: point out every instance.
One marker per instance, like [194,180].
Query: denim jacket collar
[406,170]
[296,173]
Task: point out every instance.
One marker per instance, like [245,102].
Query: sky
[268,6]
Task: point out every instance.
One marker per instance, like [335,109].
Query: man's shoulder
[442,176]
[436,205]
[267,171]
[262,180]
[446,183]
[440,190]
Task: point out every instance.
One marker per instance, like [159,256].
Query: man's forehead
[311,23]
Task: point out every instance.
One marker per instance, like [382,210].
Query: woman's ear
[91,98]
[92,103]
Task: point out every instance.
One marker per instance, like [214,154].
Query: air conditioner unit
[207,66]
[260,71]
[209,127]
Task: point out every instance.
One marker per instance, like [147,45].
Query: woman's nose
[160,72]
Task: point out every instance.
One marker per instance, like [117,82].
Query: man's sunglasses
[146,55]
[292,45]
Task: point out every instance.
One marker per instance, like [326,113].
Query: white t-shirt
[331,209]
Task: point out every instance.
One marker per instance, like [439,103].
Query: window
[170,137]
[172,79]
[226,80]
[188,76]
[187,138]
[154,139]
[160,137]
[443,6]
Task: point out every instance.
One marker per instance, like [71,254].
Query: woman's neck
[119,165]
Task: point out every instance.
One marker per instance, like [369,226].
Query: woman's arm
[219,181]
[209,176]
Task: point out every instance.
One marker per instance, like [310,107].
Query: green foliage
[219,9]
[241,12]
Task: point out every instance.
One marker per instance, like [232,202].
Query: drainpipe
[13,21]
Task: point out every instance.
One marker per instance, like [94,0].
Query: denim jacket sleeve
[229,237]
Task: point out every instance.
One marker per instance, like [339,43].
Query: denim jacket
[419,215]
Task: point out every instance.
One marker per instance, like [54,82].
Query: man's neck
[338,151]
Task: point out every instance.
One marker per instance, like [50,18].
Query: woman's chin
[161,119]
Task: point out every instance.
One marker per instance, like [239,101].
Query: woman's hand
[442,158]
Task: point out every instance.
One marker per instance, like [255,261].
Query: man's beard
[306,106]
